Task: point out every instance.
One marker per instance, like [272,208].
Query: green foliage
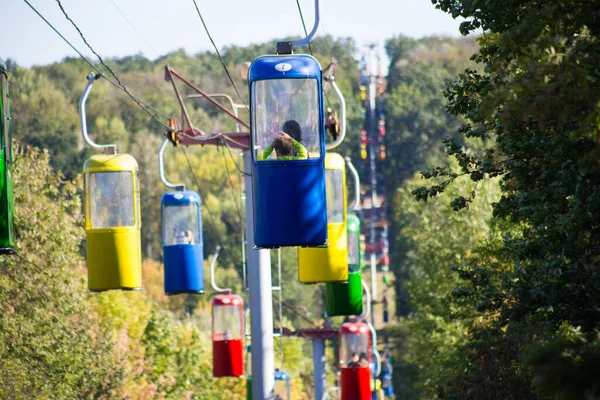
[416,121]
[43,117]
[433,243]
[51,344]
[415,118]
[566,365]
[150,348]
[534,107]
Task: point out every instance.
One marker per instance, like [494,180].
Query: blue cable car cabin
[182,242]
[282,385]
[288,142]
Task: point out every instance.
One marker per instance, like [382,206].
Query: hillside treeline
[490,178]
[57,341]
[497,263]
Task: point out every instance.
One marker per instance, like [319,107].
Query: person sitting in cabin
[189,237]
[294,131]
[292,128]
[179,237]
[354,362]
[285,146]
[182,236]
[227,335]
[363,360]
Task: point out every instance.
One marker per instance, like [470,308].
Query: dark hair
[292,128]
[282,144]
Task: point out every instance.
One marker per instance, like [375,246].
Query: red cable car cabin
[228,335]
[355,358]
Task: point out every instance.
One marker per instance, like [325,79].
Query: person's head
[282,145]
[363,359]
[355,357]
[292,128]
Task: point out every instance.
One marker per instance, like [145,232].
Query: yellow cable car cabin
[329,264]
[112,222]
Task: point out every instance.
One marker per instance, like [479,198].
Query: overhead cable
[237,206]
[62,37]
[233,194]
[133,27]
[303,24]
[237,166]
[218,53]
[144,106]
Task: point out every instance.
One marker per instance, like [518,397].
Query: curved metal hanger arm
[313,32]
[161,168]
[355,205]
[368,301]
[288,47]
[108,148]
[342,134]
[212,273]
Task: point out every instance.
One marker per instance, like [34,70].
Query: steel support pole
[372,133]
[261,303]
[372,126]
[319,368]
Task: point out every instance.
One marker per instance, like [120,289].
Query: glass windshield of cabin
[111,199]
[355,348]
[291,107]
[180,224]
[226,323]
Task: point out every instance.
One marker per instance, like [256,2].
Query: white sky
[157,27]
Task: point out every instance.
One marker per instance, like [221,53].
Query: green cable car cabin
[346,298]
[7,235]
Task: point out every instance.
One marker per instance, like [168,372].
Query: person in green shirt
[285,147]
[292,130]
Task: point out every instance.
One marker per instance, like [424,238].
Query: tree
[51,345]
[416,121]
[139,326]
[414,103]
[434,243]
[44,118]
[537,101]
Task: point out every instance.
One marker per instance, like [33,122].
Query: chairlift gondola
[355,359]
[282,385]
[387,383]
[329,264]
[7,234]
[227,329]
[181,236]
[228,335]
[287,136]
[112,214]
[346,298]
